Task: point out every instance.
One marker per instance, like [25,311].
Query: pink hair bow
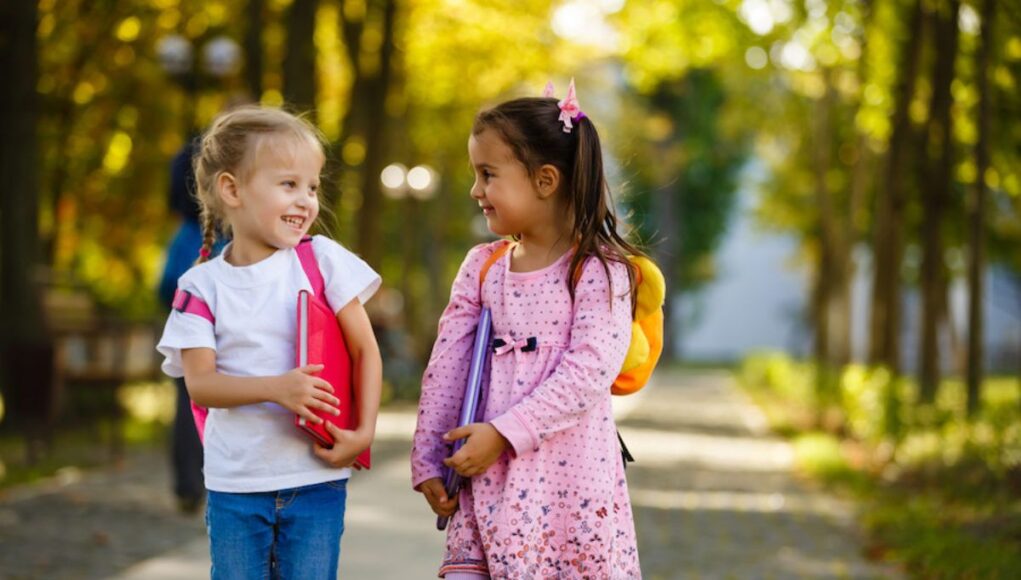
[570,111]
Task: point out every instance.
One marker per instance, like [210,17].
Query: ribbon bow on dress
[507,344]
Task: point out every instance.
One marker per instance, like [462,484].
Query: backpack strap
[496,255]
[307,257]
[188,303]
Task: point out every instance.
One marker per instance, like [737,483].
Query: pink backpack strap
[188,303]
[309,263]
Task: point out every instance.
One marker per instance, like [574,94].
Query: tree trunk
[860,182]
[300,57]
[22,331]
[830,294]
[376,87]
[253,48]
[977,210]
[888,248]
[937,151]
[19,204]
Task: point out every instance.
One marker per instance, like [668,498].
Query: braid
[208,236]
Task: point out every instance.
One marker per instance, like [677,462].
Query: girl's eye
[290,183]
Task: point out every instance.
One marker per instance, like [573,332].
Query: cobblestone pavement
[713,496]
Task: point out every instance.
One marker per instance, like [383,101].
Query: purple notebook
[471,407]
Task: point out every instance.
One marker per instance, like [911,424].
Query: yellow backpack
[646,329]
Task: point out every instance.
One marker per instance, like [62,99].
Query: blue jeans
[292,533]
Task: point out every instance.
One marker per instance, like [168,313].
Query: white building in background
[759,301]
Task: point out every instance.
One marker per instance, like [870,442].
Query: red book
[320,341]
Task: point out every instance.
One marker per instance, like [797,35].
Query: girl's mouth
[295,222]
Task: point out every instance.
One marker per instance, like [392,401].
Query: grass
[941,492]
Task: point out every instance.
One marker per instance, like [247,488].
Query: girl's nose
[475,192]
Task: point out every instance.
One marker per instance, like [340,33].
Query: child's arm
[443,381]
[297,390]
[367,371]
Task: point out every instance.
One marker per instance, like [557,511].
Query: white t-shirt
[255,448]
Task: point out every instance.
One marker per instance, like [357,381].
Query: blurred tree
[685,59]
[300,56]
[27,370]
[888,245]
[21,258]
[364,124]
[684,187]
[936,182]
[252,44]
[977,215]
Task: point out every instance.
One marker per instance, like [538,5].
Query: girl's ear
[227,189]
[547,181]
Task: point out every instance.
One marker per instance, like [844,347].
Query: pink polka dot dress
[556,505]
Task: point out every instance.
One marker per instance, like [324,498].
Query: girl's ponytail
[595,220]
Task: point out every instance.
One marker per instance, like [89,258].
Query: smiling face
[276,201]
[507,194]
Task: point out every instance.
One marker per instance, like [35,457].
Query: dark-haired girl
[547,496]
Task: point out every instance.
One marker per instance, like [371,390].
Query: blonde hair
[231,145]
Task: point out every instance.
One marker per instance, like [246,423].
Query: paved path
[713,498]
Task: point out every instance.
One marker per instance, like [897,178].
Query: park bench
[96,350]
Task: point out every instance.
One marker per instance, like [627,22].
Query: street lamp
[221,58]
[419,182]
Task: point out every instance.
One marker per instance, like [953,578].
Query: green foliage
[695,161]
[942,491]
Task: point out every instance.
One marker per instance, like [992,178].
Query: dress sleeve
[444,379]
[600,336]
[185,330]
[345,275]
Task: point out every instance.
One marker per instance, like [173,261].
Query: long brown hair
[530,127]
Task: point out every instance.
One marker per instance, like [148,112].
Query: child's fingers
[327,398]
[311,369]
[463,465]
[458,433]
[434,489]
[308,415]
[322,384]
[324,406]
[337,432]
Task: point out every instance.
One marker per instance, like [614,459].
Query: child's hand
[302,392]
[483,447]
[436,495]
[346,446]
